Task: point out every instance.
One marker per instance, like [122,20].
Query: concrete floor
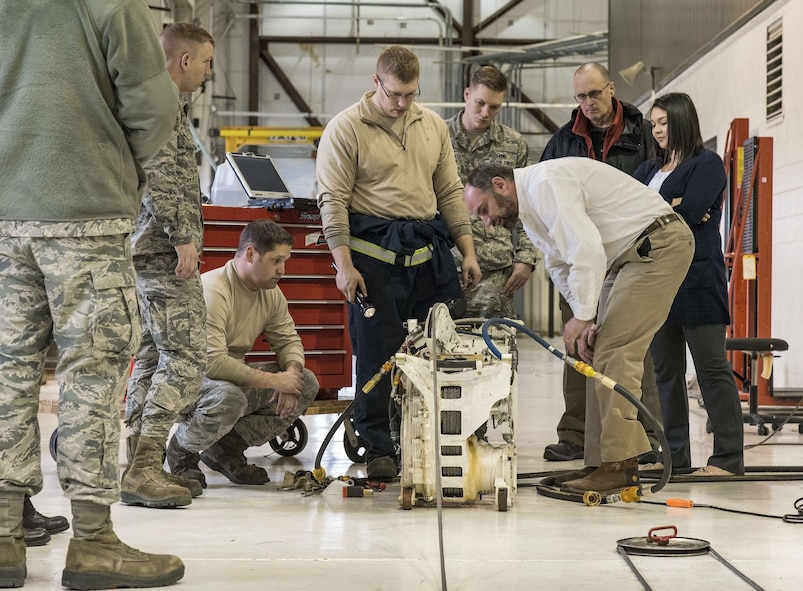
[259,537]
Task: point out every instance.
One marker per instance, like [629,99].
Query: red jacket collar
[612,134]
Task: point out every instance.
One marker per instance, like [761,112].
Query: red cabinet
[317,306]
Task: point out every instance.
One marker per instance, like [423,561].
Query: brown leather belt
[658,223]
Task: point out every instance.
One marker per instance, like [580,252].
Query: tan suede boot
[12,541]
[97,559]
[609,478]
[130,448]
[195,488]
[145,482]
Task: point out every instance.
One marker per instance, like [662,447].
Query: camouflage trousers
[78,292]
[488,299]
[221,406]
[170,363]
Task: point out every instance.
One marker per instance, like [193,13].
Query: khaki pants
[633,305]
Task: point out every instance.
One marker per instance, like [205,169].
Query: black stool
[757,347]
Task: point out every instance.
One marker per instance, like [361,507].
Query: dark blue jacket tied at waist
[405,243]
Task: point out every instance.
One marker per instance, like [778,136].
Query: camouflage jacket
[171,213]
[501,144]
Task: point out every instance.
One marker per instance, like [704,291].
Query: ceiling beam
[288,86]
[537,114]
[253,64]
[438,7]
[480,27]
[406,41]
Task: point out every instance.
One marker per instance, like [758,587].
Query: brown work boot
[145,482]
[130,448]
[12,541]
[97,559]
[558,479]
[609,478]
[183,463]
[227,456]
[193,486]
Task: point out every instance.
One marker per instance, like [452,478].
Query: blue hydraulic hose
[590,372]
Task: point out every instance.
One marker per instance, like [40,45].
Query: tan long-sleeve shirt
[364,167]
[236,316]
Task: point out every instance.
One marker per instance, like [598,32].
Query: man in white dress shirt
[595,223]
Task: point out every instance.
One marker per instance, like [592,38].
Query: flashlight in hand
[366,307]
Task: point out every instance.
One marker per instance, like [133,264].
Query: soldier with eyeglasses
[392,206]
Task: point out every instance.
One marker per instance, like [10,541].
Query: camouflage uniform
[494,245]
[169,365]
[72,282]
[222,406]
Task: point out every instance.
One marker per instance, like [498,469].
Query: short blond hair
[399,62]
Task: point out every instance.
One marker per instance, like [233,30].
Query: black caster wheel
[292,441]
[800,428]
[777,426]
[355,453]
[501,500]
[54,443]
[763,430]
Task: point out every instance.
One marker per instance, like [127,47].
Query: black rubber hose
[367,387]
[331,433]
[588,371]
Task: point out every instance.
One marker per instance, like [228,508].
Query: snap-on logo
[305,215]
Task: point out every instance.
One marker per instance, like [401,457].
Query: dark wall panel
[665,34]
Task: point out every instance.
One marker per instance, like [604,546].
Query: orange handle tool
[683,503]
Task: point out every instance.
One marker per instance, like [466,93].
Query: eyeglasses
[593,95]
[398,96]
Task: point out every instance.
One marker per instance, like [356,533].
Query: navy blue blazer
[699,182]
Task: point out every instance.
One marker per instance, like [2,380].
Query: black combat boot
[227,456]
[184,463]
[32,519]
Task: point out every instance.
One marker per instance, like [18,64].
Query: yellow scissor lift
[235,137]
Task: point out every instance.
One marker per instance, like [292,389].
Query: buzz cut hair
[399,62]
[179,38]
